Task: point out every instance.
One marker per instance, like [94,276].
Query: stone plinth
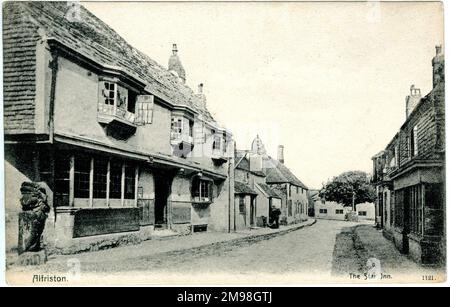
[32,258]
[30,231]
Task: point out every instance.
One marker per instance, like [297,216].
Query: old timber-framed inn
[409,175]
[124,148]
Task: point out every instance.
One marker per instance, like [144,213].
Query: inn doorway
[163,184]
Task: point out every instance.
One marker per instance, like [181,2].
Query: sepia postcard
[223,143]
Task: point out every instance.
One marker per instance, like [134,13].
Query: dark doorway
[381,209]
[406,221]
[252,211]
[163,184]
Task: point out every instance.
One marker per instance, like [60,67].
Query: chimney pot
[281,153]
[438,49]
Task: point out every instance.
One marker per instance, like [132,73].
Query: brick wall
[19,63]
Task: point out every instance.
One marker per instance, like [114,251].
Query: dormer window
[181,135]
[116,95]
[116,108]
[121,108]
[217,142]
[218,147]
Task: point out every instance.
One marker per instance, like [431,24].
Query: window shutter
[144,106]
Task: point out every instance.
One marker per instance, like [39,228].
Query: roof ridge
[96,37]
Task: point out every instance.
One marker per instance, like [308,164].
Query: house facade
[254,198]
[280,179]
[330,210]
[122,145]
[409,175]
[365,211]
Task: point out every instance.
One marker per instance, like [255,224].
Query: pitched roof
[243,163]
[242,188]
[277,172]
[94,39]
[267,190]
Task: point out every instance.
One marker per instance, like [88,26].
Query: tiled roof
[242,188]
[93,38]
[277,172]
[270,192]
[19,64]
[243,163]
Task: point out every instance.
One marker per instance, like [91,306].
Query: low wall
[98,221]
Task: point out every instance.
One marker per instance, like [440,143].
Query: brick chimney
[438,66]
[200,95]
[281,153]
[412,99]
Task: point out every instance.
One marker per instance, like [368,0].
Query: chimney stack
[438,66]
[412,99]
[201,96]
[281,154]
[175,66]
[438,49]
[174,49]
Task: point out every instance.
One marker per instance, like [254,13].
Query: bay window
[82,180]
[181,129]
[116,101]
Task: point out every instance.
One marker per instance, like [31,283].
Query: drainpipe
[229,196]
[51,125]
[54,67]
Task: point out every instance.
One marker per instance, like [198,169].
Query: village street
[324,251]
[308,250]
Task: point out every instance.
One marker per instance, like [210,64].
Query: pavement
[359,247]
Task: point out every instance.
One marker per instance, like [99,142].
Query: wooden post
[108,178]
[72,181]
[136,181]
[91,183]
[122,186]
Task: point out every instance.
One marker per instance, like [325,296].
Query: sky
[326,80]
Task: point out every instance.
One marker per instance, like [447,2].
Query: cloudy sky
[326,80]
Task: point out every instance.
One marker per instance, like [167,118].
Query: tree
[347,185]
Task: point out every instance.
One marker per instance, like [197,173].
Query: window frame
[242,207]
[199,186]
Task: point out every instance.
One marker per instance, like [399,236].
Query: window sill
[200,202]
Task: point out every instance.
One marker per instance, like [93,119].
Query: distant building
[409,175]
[365,211]
[324,209]
[254,198]
[285,185]
[330,210]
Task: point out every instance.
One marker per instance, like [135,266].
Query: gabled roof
[243,163]
[242,188]
[95,40]
[268,191]
[277,172]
